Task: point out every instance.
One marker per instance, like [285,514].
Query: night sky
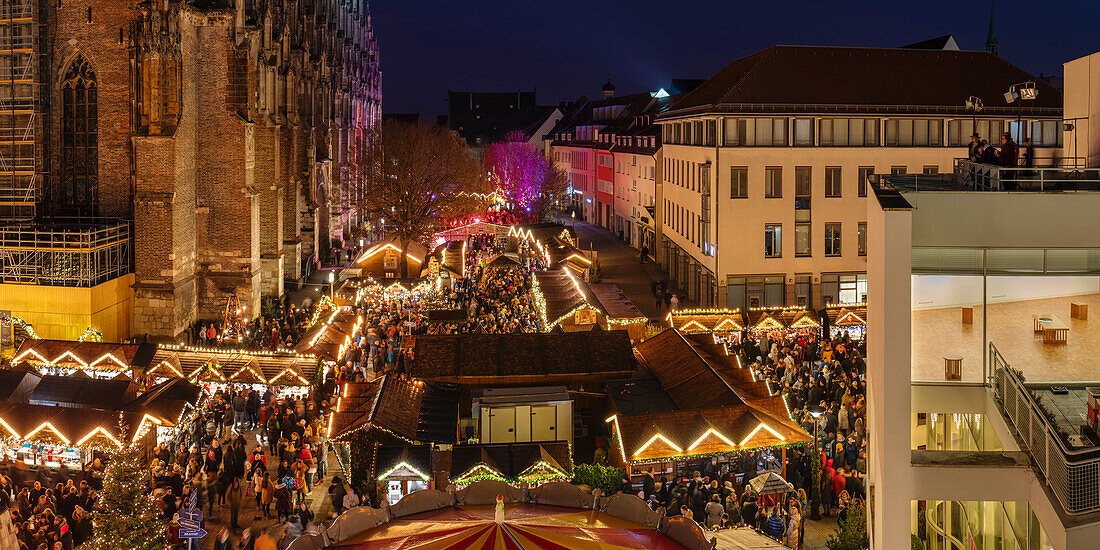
[566,48]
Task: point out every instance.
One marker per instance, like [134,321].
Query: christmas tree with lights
[127,517]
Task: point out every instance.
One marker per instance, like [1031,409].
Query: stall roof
[395,404]
[463,356]
[389,458]
[615,303]
[700,400]
[234,365]
[510,459]
[72,410]
[86,354]
[717,320]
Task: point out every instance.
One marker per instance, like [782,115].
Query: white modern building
[762,191]
[981,350]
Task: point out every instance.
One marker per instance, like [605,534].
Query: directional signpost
[191,520]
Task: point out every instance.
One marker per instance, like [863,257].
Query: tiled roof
[825,75]
[397,405]
[698,387]
[460,356]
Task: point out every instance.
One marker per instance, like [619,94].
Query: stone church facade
[229,132]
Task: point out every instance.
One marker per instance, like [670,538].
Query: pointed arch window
[79,138]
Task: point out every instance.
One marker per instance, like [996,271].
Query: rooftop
[888,79]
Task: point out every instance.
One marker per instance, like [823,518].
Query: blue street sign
[192,533]
[190,522]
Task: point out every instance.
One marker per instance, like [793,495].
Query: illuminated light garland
[31,352]
[99,430]
[532,473]
[236,352]
[734,326]
[9,429]
[407,466]
[50,427]
[582,258]
[617,321]
[250,369]
[165,363]
[615,418]
[688,325]
[370,253]
[696,456]
[147,422]
[70,354]
[708,311]
[289,371]
[768,323]
[111,357]
[27,327]
[209,366]
[847,304]
[846,320]
[480,469]
[710,432]
[653,440]
[757,429]
[91,335]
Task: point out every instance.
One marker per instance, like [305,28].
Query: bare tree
[419,178]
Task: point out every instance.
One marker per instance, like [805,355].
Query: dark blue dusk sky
[566,48]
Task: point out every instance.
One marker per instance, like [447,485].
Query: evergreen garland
[128,518]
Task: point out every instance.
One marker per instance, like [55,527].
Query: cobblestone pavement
[621,265]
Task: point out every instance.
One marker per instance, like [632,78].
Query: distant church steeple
[991,37]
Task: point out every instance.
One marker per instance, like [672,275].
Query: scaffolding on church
[19,110]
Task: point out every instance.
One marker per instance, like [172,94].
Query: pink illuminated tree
[530,184]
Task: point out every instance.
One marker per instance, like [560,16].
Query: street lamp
[816,411]
[974,105]
[1018,94]
[332,284]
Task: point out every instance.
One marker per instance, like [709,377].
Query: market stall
[727,324]
[65,423]
[563,299]
[95,359]
[213,369]
[783,322]
[848,318]
[660,422]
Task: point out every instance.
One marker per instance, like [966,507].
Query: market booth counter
[663,421]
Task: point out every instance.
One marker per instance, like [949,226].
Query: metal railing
[1072,474]
[65,255]
[1063,176]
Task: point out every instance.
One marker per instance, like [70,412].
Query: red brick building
[226,133]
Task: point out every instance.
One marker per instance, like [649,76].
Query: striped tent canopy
[525,527]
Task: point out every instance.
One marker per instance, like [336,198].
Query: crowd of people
[281,329]
[51,514]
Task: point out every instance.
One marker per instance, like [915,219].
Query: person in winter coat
[233,497]
[223,542]
[336,493]
[774,525]
[714,511]
[793,536]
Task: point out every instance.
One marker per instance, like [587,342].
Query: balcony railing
[1062,177]
[1072,474]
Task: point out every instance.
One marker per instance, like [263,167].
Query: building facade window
[1046,133]
[755,291]
[803,178]
[802,289]
[914,132]
[773,182]
[861,239]
[864,176]
[803,132]
[898,170]
[773,240]
[79,168]
[739,182]
[832,181]
[843,288]
[959,131]
[802,239]
[931,170]
[849,132]
[832,239]
[754,132]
